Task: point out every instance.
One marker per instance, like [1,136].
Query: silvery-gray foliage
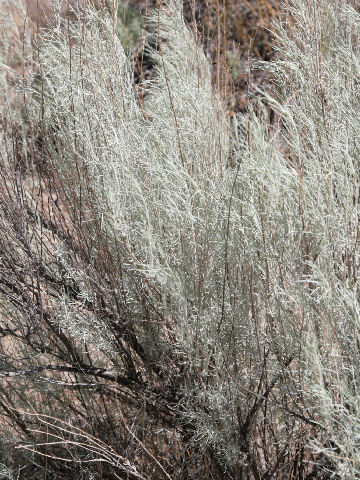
[207,267]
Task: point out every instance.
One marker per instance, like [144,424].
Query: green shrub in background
[130,25]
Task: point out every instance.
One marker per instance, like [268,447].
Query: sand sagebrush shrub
[108,225]
[189,218]
[152,173]
[322,128]
[191,277]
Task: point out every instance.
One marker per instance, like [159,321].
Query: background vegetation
[179,213]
